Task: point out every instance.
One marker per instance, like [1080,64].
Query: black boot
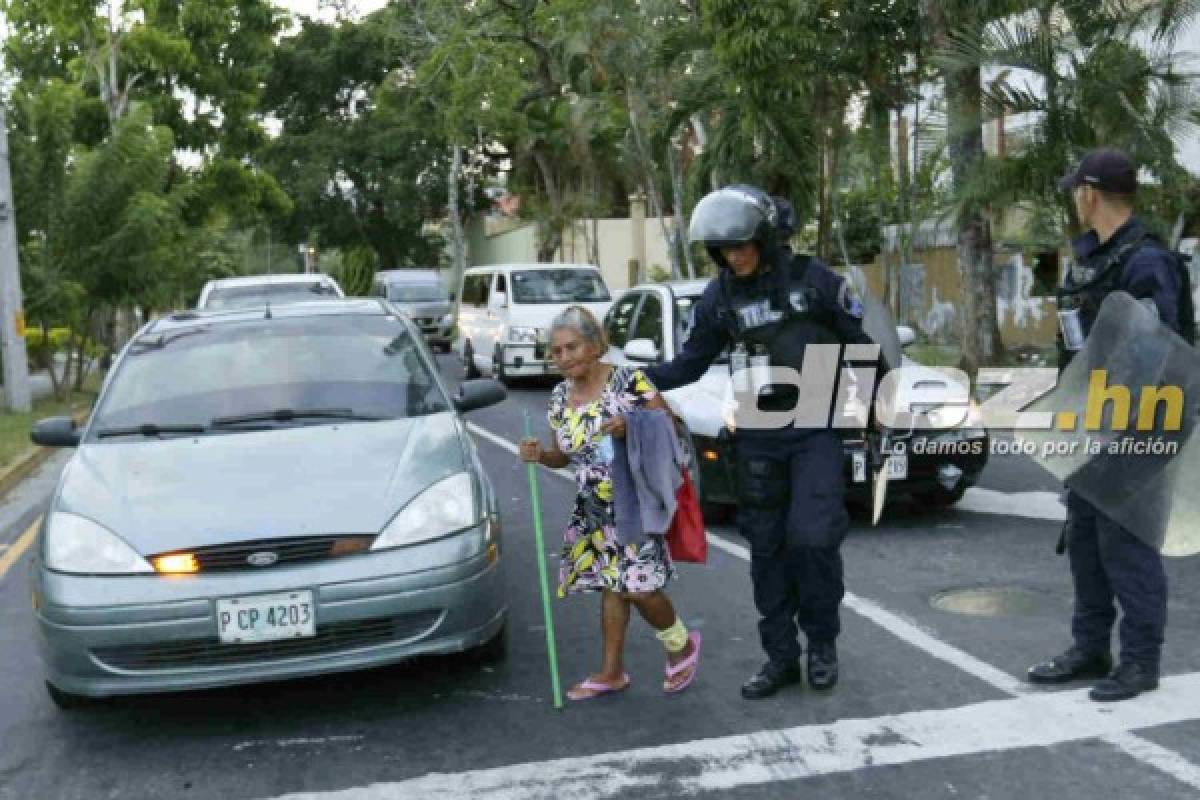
[1072,665]
[770,679]
[822,665]
[1126,681]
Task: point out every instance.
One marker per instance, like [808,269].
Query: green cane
[535,508]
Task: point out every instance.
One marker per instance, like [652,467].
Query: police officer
[1107,561]
[791,483]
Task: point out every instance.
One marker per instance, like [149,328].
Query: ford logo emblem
[263,559]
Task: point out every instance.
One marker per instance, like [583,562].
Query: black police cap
[1107,169]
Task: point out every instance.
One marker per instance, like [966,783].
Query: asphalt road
[930,705]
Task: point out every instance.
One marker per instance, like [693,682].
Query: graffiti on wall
[1015,303]
[938,320]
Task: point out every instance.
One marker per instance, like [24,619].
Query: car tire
[67,701]
[493,651]
[940,498]
[470,371]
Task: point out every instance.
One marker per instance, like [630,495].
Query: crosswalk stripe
[729,762]
[1147,752]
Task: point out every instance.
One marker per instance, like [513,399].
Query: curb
[12,474]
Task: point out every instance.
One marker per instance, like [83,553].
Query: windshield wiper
[146,344]
[291,414]
[149,429]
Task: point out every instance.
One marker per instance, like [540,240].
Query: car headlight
[446,321]
[520,335]
[445,507]
[76,544]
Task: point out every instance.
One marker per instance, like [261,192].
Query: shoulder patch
[849,301]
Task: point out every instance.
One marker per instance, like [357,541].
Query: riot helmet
[733,216]
[786,215]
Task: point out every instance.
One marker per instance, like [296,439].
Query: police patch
[849,300]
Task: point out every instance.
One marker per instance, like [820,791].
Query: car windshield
[417,293]
[276,372]
[227,297]
[559,286]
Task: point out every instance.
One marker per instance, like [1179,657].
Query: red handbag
[686,540]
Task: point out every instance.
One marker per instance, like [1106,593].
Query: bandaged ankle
[674,638]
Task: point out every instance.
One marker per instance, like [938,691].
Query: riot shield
[879,324]
[1123,417]
[881,327]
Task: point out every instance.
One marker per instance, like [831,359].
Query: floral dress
[592,559]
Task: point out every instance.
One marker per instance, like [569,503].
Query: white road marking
[729,762]
[500,441]
[1147,752]
[304,742]
[1034,505]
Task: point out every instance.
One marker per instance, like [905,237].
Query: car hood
[540,315]
[162,495]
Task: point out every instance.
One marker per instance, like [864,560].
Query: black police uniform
[791,484]
[1107,561]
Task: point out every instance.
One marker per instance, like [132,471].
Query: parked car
[505,310]
[251,291]
[421,294]
[650,323]
[265,496]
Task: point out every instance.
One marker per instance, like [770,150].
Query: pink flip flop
[692,661]
[598,688]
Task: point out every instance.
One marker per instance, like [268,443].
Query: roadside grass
[14,428]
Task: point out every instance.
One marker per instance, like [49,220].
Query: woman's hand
[615,427]
[530,450]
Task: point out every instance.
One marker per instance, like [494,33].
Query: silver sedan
[262,495]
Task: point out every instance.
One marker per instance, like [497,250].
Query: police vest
[1088,283]
[792,315]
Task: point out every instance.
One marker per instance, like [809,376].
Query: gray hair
[583,322]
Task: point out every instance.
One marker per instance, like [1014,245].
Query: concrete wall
[930,295]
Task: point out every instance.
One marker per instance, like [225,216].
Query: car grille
[233,556]
[330,639]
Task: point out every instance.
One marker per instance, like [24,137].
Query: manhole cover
[987,601]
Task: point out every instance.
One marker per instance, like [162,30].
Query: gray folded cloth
[646,475]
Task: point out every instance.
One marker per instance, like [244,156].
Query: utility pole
[12,320]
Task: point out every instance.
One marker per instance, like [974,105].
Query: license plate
[859,466]
[266,617]
[897,467]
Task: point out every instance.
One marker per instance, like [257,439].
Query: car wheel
[67,701]
[941,498]
[470,371]
[493,651]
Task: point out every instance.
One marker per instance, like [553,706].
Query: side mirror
[55,432]
[641,350]
[479,393]
[906,335]
[499,299]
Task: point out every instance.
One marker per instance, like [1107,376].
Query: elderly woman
[586,410]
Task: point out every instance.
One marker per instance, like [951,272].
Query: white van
[504,313]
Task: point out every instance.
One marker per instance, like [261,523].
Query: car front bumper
[526,360]
[932,460]
[103,636]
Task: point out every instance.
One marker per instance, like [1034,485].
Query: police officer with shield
[790,481]
[1107,561]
